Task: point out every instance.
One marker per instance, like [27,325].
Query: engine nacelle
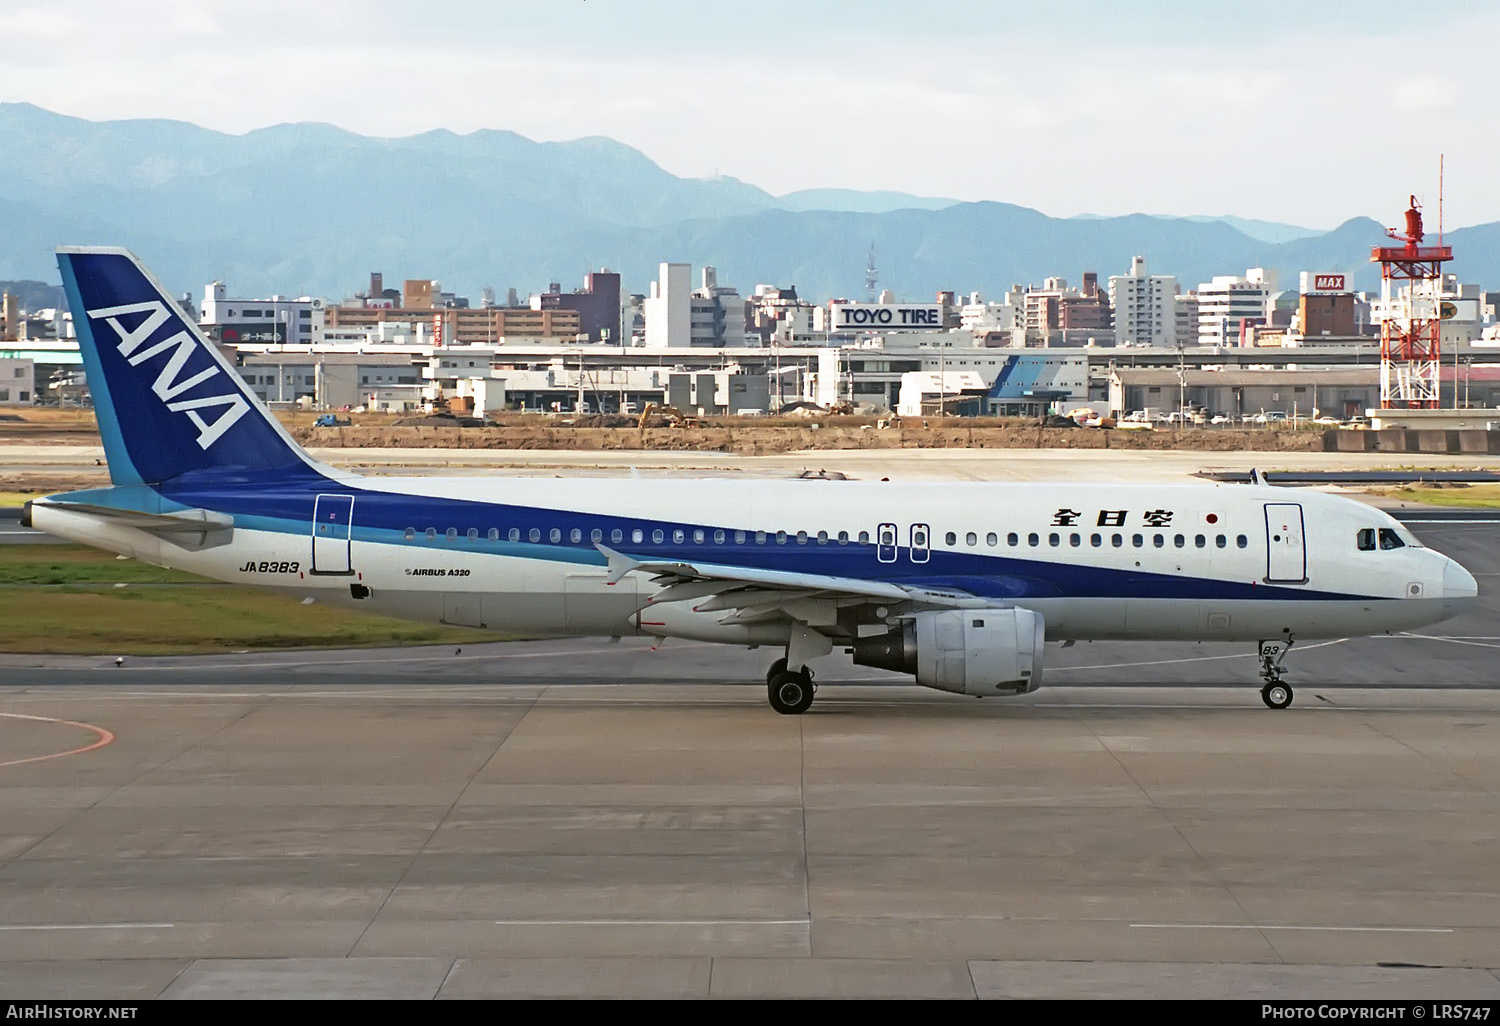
[967,651]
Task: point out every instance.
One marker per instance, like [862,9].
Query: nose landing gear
[1276,693]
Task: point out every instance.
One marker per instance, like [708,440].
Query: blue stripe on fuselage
[284,502]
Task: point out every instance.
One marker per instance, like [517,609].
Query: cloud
[1426,93]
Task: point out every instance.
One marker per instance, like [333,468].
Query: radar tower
[1411,285]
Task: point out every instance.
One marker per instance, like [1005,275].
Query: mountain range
[312,209]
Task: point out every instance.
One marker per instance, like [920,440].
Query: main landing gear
[1276,693]
[791,691]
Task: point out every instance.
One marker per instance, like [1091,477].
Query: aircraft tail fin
[167,401]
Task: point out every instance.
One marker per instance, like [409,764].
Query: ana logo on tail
[170,381]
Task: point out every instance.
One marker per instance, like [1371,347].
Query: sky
[1304,113]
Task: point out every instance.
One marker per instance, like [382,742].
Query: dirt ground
[745,436]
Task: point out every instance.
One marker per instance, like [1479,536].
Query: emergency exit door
[1286,548]
[333,524]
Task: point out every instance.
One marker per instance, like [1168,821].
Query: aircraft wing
[752,594]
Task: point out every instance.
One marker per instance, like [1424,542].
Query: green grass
[74,564]
[89,614]
[1482,496]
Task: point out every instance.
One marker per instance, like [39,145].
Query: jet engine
[966,651]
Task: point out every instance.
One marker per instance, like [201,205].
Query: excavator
[671,414]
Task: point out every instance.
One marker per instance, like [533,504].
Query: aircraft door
[1286,548]
[920,540]
[885,539]
[333,522]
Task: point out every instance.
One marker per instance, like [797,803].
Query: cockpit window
[1389,539]
[1365,539]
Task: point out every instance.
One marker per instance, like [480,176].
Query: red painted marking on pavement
[105,737]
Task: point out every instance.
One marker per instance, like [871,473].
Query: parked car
[1327,421]
[1221,418]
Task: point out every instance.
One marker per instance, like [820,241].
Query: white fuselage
[1098,561]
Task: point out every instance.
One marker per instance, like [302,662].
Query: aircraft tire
[791,694]
[1277,694]
[779,666]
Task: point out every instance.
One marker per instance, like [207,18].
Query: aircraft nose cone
[1459,587]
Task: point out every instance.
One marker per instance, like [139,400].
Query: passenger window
[1199,540]
[555,535]
[1117,540]
[1389,539]
[1221,541]
[1075,539]
[822,537]
[1179,540]
[451,534]
[616,536]
[473,534]
[971,538]
[697,537]
[515,534]
[780,537]
[535,534]
[992,539]
[1242,541]
[576,535]
[1137,540]
[493,534]
[596,535]
[1159,540]
[411,534]
[1054,540]
[739,537]
[657,537]
[1096,540]
[678,536]
[1033,540]
[1012,539]
[760,537]
[864,537]
[718,537]
[637,535]
[950,538]
[801,537]
[843,537]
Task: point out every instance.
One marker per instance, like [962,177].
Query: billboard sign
[1324,281]
[237,334]
[885,317]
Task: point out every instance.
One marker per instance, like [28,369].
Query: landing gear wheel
[1277,694]
[779,666]
[791,694]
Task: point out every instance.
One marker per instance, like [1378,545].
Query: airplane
[958,585]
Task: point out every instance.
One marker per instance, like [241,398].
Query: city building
[17,381]
[998,324]
[460,325]
[669,306]
[10,318]
[1240,393]
[716,314]
[328,381]
[776,312]
[277,319]
[597,304]
[1057,315]
[1144,305]
[1230,305]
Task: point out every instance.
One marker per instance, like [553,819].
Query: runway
[565,818]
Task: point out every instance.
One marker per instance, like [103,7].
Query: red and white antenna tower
[1412,328]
